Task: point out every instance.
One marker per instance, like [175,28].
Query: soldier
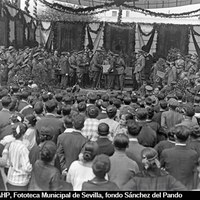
[96,66]
[120,67]
[72,68]
[139,68]
[64,69]
[83,64]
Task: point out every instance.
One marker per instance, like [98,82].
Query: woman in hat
[153,178]
[81,170]
[100,166]
[44,176]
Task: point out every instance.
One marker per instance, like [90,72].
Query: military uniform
[72,69]
[139,69]
[97,68]
[83,64]
[120,68]
[64,71]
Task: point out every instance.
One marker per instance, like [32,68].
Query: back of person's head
[90,151]
[127,100]
[101,165]
[182,133]
[121,141]
[13,104]
[105,97]
[6,101]
[25,95]
[195,133]
[189,110]
[48,151]
[134,98]
[141,114]
[111,111]
[50,106]
[163,104]
[45,134]
[68,121]
[148,101]
[58,97]
[39,107]
[82,106]
[31,119]
[66,110]
[161,96]
[45,97]
[150,158]
[92,111]
[78,121]
[133,128]
[150,111]
[18,130]
[117,103]
[179,95]
[171,133]
[103,129]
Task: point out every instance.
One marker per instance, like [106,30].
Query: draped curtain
[172,36]
[69,36]
[193,32]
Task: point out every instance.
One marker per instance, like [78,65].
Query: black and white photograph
[99,99]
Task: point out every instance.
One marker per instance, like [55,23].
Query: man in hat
[139,68]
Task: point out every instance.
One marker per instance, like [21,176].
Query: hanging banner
[3,32]
[69,36]
[119,39]
[172,36]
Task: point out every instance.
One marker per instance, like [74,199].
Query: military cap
[148,88]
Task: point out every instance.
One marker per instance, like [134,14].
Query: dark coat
[154,180]
[69,147]
[105,146]
[181,162]
[53,124]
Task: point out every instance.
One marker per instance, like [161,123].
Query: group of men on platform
[99,69]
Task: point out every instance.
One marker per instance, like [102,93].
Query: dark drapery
[20,39]
[4,36]
[172,36]
[119,39]
[150,41]
[90,43]
[194,40]
[31,40]
[69,36]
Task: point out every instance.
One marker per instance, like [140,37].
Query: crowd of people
[99,141]
[65,139]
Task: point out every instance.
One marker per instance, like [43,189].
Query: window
[114,13]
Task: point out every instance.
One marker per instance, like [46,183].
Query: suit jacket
[181,162]
[134,152]
[69,147]
[4,119]
[105,146]
[170,119]
[53,124]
